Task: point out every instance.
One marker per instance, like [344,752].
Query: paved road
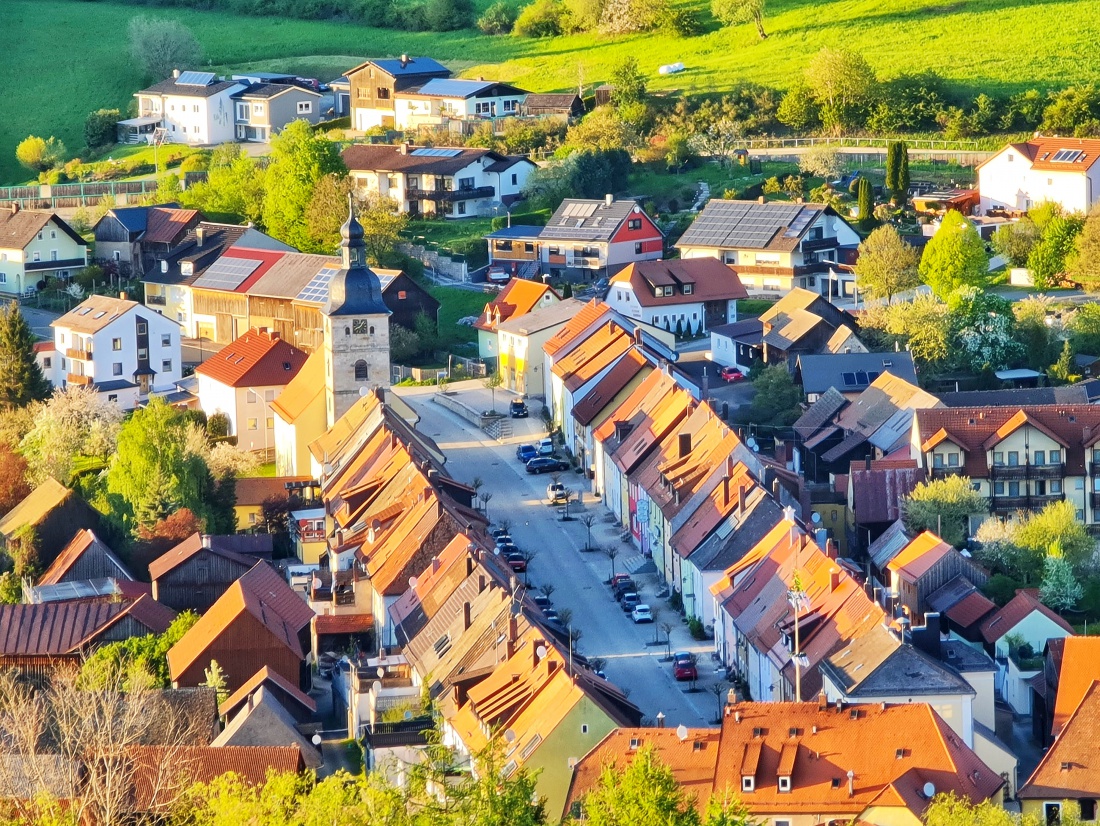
[39,320]
[578,578]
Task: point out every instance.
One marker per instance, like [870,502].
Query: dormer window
[785,783]
[748,783]
[689,289]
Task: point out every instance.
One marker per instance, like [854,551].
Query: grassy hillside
[73,55]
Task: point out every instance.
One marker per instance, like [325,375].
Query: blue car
[525,453]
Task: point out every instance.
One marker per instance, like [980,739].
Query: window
[998,457]
[1040,457]
[484,108]
[953,459]
[53,233]
[253,424]
[1080,515]
[251,397]
[195,108]
[166,340]
[3,278]
[461,208]
[142,328]
[584,728]
[784,783]
[257,108]
[361,373]
[143,353]
[511,105]
[242,111]
[47,362]
[638,248]
[634,223]
[1053,813]
[748,783]
[118,255]
[465,184]
[689,289]
[113,397]
[269,395]
[515,179]
[402,295]
[1055,457]
[305,107]
[116,344]
[1055,486]
[116,368]
[1088,808]
[1013,488]
[166,366]
[251,519]
[269,423]
[383,93]
[40,236]
[1013,458]
[37,256]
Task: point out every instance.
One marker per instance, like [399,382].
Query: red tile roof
[55,628]
[518,297]
[1080,668]
[877,493]
[618,377]
[160,773]
[266,675]
[1012,614]
[259,358]
[255,490]
[710,280]
[1040,151]
[343,624]
[575,326]
[269,586]
[601,347]
[1071,767]
[152,614]
[970,609]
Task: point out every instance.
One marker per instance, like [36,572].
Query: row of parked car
[625,591]
[506,548]
[540,458]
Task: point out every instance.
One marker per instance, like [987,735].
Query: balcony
[1027,471]
[1024,501]
[311,535]
[82,381]
[1094,500]
[156,300]
[63,264]
[79,355]
[450,195]
[944,472]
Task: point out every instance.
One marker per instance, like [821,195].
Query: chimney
[685,444]
[200,235]
[775,489]
[726,491]
[851,783]
[822,701]
[404,60]
[830,548]
[122,295]
[14,207]
[834,580]
[608,200]
[704,386]
[482,583]
[175,74]
[760,200]
[638,336]
[660,719]
[206,540]
[867,462]
[163,265]
[742,497]
[403,149]
[435,564]
[465,615]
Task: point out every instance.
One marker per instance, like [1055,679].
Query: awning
[148,120]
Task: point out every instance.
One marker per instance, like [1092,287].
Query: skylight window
[1066,155]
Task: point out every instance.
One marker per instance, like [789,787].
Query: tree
[734,12]
[1014,241]
[1083,327]
[449,15]
[821,162]
[1060,589]
[725,808]
[922,325]
[943,506]
[136,662]
[1057,524]
[404,344]
[984,329]
[777,397]
[628,81]
[1064,370]
[159,46]
[1048,257]
[491,382]
[234,186]
[499,18]
[215,678]
[842,84]
[100,127]
[21,379]
[299,159]
[40,154]
[799,108]
[13,478]
[721,140]
[75,422]
[954,257]
[542,18]
[1032,330]
[1085,265]
[895,151]
[952,810]
[642,791]
[629,16]
[886,265]
[865,195]
[327,211]
[382,227]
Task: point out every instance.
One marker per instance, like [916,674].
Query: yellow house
[520,340]
[35,245]
[254,491]
[300,417]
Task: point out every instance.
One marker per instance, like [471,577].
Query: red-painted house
[586,239]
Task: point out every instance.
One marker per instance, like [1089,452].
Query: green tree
[299,159]
[954,257]
[40,154]
[499,18]
[1064,370]
[897,170]
[886,265]
[542,18]
[169,188]
[1014,241]
[1084,329]
[154,467]
[158,46]
[643,791]
[326,213]
[1047,259]
[404,344]
[21,379]
[1057,524]
[628,81]
[821,162]
[382,226]
[922,325]
[449,15]
[799,108]
[866,199]
[952,810]
[23,550]
[1085,265]
[735,12]
[100,127]
[777,397]
[943,506]
[726,809]
[843,86]
[74,422]
[491,382]
[1032,330]
[1060,589]
[234,187]
[216,678]
[140,661]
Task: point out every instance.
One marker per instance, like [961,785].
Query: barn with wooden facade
[55,513]
[195,573]
[85,557]
[132,238]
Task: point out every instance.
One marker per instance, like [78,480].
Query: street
[631,659]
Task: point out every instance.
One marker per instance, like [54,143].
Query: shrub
[199,162]
[100,127]
[537,218]
[682,22]
[543,18]
[499,18]
[449,15]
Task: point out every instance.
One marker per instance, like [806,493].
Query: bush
[543,18]
[497,19]
[695,628]
[1001,588]
[449,15]
[682,22]
[199,162]
[100,127]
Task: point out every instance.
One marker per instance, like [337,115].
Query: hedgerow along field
[72,57]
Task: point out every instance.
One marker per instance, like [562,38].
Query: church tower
[356,325]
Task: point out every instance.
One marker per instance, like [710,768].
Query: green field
[71,57]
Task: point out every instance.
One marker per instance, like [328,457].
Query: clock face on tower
[360,327]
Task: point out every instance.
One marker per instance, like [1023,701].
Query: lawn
[455,303]
[72,56]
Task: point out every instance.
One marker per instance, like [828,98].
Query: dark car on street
[629,602]
[516,561]
[547,464]
[518,409]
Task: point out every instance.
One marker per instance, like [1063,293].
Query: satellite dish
[375,687]
[327,468]
[751,443]
[408,715]
[816,518]
[929,790]
[510,736]
[363,391]
[381,672]
[682,732]
[540,652]
[316,740]
[412,582]
[637,209]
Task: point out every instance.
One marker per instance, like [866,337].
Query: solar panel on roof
[195,79]
[435,152]
[317,288]
[1066,155]
[227,273]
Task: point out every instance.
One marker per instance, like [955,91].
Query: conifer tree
[21,379]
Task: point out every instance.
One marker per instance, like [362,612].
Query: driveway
[631,659]
[735,394]
[39,320]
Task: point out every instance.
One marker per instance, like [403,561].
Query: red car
[683,666]
[731,374]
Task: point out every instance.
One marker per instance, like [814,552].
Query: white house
[35,245]
[434,180]
[688,296]
[242,380]
[1061,170]
[118,347]
[441,101]
[587,238]
[192,107]
[774,247]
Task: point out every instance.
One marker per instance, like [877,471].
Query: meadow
[72,56]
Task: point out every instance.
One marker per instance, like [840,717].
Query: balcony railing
[156,300]
[1094,500]
[944,472]
[450,195]
[1025,501]
[1027,471]
[79,355]
[83,381]
[311,535]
